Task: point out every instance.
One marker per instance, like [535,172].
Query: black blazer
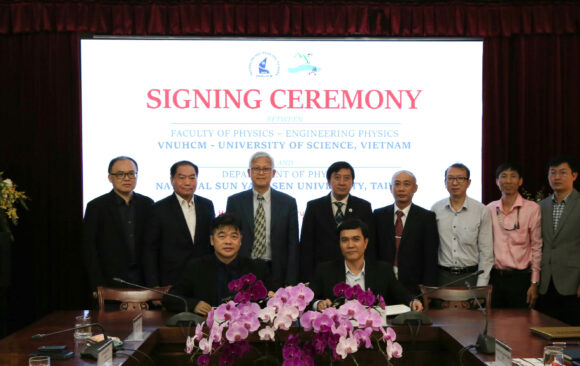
[169,245]
[283,233]
[105,250]
[195,287]
[319,239]
[379,277]
[418,249]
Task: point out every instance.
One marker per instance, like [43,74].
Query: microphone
[413,317]
[91,351]
[183,318]
[485,344]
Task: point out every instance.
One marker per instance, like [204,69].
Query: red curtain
[531,104]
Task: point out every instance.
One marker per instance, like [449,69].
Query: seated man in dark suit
[406,235]
[178,229]
[353,269]
[114,228]
[322,216]
[204,282]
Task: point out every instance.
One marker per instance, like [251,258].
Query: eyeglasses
[123,175]
[261,170]
[500,220]
[457,179]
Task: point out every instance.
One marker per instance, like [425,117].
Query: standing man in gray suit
[560,276]
[270,222]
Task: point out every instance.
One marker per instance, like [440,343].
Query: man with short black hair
[517,242]
[178,229]
[560,278]
[218,269]
[322,216]
[270,218]
[465,233]
[353,269]
[114,228]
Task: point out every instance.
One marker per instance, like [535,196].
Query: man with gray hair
[270,222]
[406,235]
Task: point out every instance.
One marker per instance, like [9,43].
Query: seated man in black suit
[353,269]
[322,216]
[204,282]
[114,228]
[178,229]
[406,235]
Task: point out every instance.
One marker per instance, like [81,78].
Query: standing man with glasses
[114,228]
[324,214]
[560,279]
[270,222]
[517,242]
[465,233]
[179,228]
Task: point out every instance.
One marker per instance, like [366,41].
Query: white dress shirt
[188,209]
[466,236]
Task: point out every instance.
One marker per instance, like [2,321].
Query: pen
[563,343]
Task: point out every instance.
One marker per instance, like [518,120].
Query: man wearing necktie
[270,222]
[318,242]
[406,235]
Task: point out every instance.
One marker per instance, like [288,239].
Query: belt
[511,272]
[459,270]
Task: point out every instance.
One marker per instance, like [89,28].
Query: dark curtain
[531,107]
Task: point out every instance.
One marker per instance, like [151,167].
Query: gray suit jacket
[283,233]
[561,250]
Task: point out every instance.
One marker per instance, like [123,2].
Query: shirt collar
[347,270]
[121,201]
[564,200]
[465,205]
[404,210]
[183,201]
[266,194]
[344,200]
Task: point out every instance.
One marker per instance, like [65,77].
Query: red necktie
[398,235]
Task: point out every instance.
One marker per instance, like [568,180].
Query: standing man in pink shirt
[517,242]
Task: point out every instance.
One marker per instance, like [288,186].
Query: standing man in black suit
[219,269]
[114,227]
[323,215]
[178,229]
[353,269]
[270,222]
[406,235]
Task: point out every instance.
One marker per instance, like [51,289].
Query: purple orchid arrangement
[230,324]
[338,332]
[346,329]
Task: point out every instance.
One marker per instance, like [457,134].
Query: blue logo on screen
[303,64]
[264,65]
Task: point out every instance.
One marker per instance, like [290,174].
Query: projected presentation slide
[381,105]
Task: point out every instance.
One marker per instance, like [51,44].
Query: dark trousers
[562,307]
[510,288]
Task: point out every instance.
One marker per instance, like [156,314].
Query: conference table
[427,345]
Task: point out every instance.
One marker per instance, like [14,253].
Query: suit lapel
[410,222]
[178,213]
[248,207]
[274,213]
[570,204]
[115,214]
[327,212]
